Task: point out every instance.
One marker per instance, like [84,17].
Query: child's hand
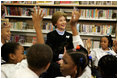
[88,43]
[60,61]
[75,17]
[37,17]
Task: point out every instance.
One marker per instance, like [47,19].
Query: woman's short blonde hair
[56,16]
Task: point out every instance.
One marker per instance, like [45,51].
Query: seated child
[75,63]
[39,57]
[12,53]
[96,53]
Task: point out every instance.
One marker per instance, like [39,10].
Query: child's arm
[88,43]
[73,22]
[37,18]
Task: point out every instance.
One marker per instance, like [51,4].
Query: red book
[65,2]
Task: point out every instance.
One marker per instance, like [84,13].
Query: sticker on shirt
[67,36]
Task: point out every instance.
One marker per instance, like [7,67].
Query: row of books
[97,13]
[85,13]
[65,2]
[23,11]
[94,44]
[23,39]
[94,29]
[25,26]
[19,25]
[29,2]
[94,13]
[98,2]
[18,11]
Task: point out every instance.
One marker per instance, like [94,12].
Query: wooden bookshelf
[63,6]
[49,17]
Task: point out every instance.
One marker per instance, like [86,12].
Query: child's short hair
[108,65]
[8,48]
[80,58]
[39,55]
[56,16]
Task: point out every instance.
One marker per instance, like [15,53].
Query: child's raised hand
[75,17]
[37,17]
[88,43]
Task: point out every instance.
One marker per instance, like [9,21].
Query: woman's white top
[97,53]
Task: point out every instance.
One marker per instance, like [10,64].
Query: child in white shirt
[12,53]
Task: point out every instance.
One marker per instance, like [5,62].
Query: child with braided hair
[96,53]
[75,63]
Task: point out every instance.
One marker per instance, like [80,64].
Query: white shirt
[22,64]
[77,41]
[86,73]
[24,73]
[60,32]
[97,53]
[7,70]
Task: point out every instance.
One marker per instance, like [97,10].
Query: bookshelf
[49,17]
[83,5]
[62,5]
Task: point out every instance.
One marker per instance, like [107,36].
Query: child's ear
[12,56]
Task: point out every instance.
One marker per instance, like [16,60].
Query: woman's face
[61,23]
[67,67]
[104,43]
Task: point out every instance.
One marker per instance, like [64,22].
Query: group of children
[62,55]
